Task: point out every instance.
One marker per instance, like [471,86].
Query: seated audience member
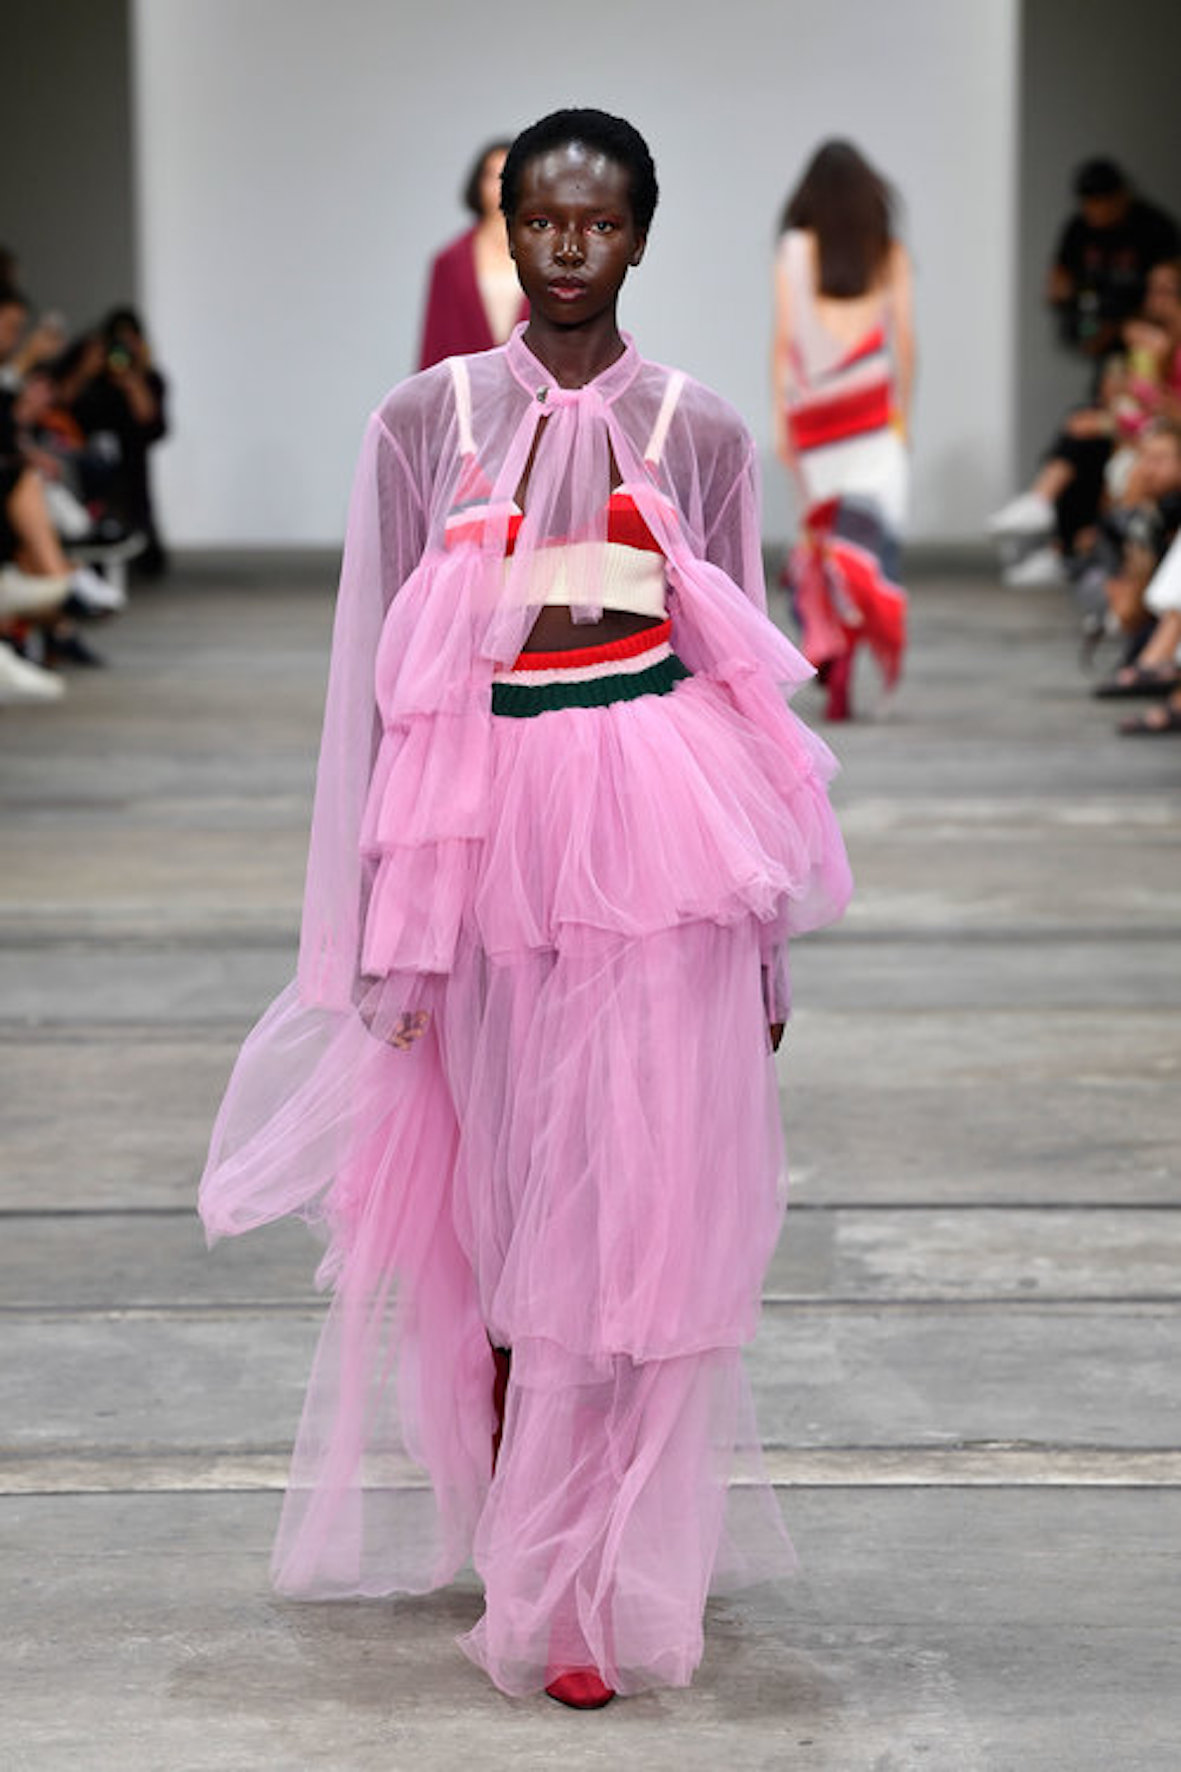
[1103,257]
[1092,454]
[1156,670]
[39,586]
[1143,381]
[75,425]
[51,449]
[80,474]
[127,398]
[1133,536]
[94,454]
[25,597]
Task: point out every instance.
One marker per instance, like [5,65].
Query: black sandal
[1134,680]
[1154,722]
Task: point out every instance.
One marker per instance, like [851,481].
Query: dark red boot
[580,1688]
[502,1359]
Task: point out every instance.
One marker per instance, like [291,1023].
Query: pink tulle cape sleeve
[714,631]
[733,538]
[384,540]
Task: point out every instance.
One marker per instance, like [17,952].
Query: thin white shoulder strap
[463,404]
[664,417]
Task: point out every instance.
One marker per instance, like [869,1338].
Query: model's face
[490,183]
[1105,212]
[573,234]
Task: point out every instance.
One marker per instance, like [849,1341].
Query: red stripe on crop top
[625,526]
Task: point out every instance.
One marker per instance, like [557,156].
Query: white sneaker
[67,513]
[27,594]
[22,681]
[1043,567]
[1027,514]
[96,593]
[92,549]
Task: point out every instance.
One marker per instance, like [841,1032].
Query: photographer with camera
[127,399]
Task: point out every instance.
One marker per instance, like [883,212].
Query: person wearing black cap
[1104,255]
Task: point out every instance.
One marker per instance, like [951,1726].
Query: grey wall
[298,163]
[66,152]
[1097,77]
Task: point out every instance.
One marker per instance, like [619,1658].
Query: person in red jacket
[474,298]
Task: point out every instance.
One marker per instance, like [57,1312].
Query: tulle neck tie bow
[550,397]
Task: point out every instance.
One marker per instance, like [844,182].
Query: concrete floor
[968,1369]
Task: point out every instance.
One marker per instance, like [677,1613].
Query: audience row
[78,417]
[1102,514]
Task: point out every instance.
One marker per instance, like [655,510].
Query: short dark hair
[613,137]
[1099,178]
[11,297]
[471,184]
[118,318]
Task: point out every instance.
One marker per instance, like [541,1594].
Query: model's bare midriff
[555,630]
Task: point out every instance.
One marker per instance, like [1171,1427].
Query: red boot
[580,1688]
[502,1359]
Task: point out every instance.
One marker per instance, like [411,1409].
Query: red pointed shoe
[502,1360]
[580,1688]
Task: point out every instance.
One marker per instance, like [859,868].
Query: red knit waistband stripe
[631,647]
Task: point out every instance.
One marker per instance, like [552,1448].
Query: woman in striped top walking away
[843,368]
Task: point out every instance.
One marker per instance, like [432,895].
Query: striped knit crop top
[629,575]
[629,567]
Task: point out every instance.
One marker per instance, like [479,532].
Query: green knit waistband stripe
[520,701]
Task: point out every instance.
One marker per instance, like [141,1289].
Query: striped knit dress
[842,422]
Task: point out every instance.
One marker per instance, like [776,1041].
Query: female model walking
[564,826]
[842,371]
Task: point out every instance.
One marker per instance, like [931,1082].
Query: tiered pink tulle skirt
[566,1142]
